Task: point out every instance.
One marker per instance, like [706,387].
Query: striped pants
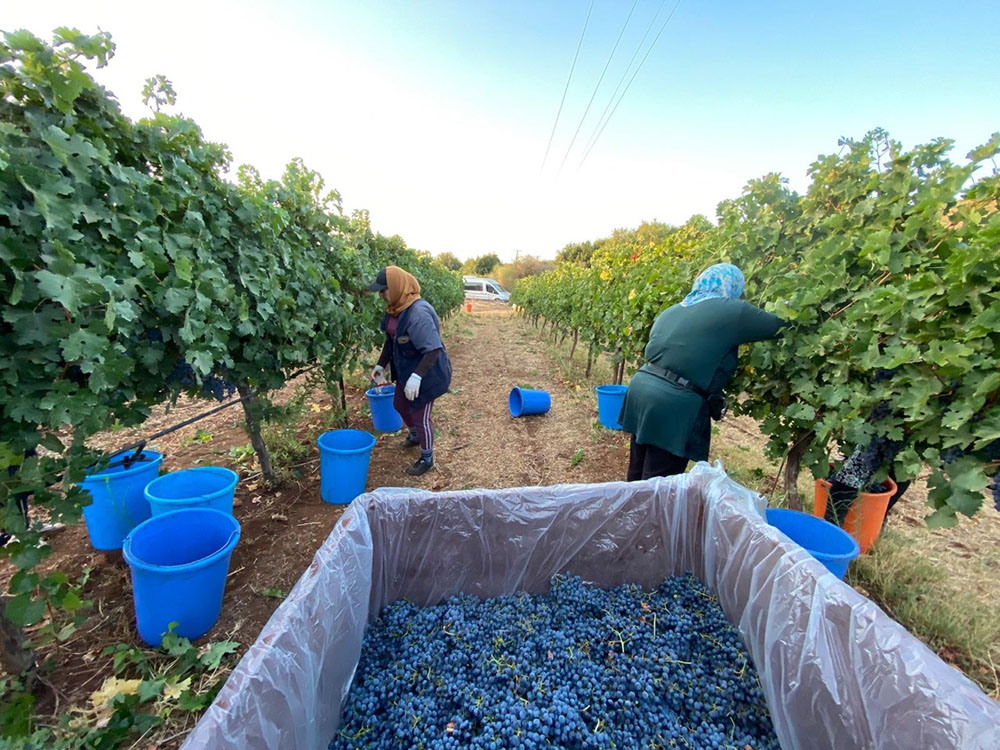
[416,418]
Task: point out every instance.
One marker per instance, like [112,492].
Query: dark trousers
[645,461]
[22,505]
[418,419]
[21,500]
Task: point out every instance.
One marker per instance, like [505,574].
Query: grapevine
[134,271]
[889,277]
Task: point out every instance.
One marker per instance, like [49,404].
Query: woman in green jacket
[690,357]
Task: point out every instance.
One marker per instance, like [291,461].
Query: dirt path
[478,444]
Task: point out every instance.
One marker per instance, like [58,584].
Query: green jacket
[699,343]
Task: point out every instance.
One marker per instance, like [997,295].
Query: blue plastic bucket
[200,487]
[829,544]
[179,563]
[609,404]
[343,464]
[524,401]
[117,501]
[385,418]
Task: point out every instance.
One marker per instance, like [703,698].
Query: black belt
[673,377]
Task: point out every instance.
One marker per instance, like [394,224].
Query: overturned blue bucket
[200,487]
[829,544]
[179,563]
[117,502]
[524,401]
[609,404]
[385,418]
[344,456]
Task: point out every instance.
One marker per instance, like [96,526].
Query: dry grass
[920,594]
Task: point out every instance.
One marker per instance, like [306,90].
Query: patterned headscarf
[721,280]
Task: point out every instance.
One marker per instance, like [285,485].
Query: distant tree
[486,263]
[578,252]
[527,265]
[449,261]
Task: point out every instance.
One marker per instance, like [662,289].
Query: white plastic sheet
[837,672]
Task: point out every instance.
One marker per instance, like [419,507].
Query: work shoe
[409,441]
[421,466]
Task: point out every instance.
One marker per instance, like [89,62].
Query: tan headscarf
[402,290]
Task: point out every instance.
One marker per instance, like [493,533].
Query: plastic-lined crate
[837,671]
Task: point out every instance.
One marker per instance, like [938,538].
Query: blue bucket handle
[236,532]
[123,459]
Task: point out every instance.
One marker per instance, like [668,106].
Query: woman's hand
[412,389]
[378,375]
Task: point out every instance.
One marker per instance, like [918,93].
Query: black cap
[380,283]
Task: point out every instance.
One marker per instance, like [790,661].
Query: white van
[477,287]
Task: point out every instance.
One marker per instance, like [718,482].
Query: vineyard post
[15,657]
[343,397]
[792,464]
[253,429]
[590,357]
[576,336]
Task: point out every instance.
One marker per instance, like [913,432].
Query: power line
[613,49]
[621,80]
[630,83]
[571,69]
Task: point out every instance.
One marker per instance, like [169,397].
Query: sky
[436,115]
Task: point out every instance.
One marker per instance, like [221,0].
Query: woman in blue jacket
[416,357]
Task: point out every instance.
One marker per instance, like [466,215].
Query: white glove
[378,375]
[412,389]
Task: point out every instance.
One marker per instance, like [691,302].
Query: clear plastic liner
[837,672]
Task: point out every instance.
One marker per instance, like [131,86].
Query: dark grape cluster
[217,388]
[884,374]
[992,451]
[995,489]
[952,454]
[182,375]
[76,375]
[880,411]
[577,668]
